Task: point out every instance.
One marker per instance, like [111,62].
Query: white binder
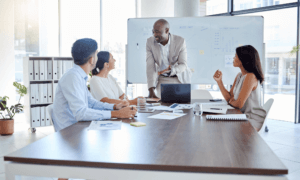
[65,66]
[48,122]
[55,69]
[42,68]
[54,89]
[49,87]
[30,69]
[59,69]
[38,116]
[49,69]
[41,93]
[37,95]
[32,93]
[46,69]
[33,117]
[45,94]
[43,118]
[36,70]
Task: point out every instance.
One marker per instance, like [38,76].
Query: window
[214,6]
[241,4]
[36,31]
[280,35]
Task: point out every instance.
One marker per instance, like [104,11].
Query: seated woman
[245,91]
[103,86]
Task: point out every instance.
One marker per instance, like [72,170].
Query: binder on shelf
[37,95]
[47,117]
[55,70]
[65,66]
[59,69]
[49,70]
[32,93]
[54,89]
[33,117]
[38,116]
[46,70]
[49,93]
[43,118]
[45,94]
[41,93]
[30,69]
[36,70]
[42,67]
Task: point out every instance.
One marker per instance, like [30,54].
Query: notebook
[227,117]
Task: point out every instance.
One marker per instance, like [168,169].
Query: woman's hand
[218,76]
[121,105]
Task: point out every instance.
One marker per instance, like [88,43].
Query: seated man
[73,102]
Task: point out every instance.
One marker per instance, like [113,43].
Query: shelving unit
[40,76]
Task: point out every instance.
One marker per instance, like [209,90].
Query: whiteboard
[210,42]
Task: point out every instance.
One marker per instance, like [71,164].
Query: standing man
[73,102]
[166,59]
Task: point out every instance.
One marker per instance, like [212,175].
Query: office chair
[267,106]
[50,110]
[200,94]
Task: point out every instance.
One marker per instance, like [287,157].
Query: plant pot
[6,126]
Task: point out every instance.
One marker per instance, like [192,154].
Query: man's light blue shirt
[73,102]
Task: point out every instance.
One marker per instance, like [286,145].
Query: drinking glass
[198,111]
[141,103]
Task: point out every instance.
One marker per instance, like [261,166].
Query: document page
[105,125]
[167,116]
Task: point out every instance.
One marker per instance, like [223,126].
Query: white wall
[7,59]
[157,8]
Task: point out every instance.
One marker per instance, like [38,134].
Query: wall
[7,60]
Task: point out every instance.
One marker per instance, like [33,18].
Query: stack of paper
[167,116]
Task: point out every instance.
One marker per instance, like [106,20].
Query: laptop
[176,93]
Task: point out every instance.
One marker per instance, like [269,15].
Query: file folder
[65,66]
[59,69]
[45,93]
[48,122]
[32,93]
[43,118]
[46,69]
[41,93]
[36,70]
[37,95]
[49,93]
[49,70]
[55,69]
[38,116]
[54,90]
[33,117]
[42,67]
[30,69]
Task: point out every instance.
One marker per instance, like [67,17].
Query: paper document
[161,108]
[105,125]
[166,115]
[181,106]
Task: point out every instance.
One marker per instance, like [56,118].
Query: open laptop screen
[175,93]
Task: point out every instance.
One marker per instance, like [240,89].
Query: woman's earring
[97,69]
[107,66]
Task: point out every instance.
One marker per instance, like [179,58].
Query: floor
[283,138]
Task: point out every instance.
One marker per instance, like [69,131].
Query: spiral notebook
[234,117]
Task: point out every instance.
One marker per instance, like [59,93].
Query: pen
[216,108]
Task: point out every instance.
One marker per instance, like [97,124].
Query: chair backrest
[200,94]
[267,106]
[50,110]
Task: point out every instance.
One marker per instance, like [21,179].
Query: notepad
[234,117]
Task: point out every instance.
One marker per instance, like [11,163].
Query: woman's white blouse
[105,87]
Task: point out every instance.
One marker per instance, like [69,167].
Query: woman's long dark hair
[249,57]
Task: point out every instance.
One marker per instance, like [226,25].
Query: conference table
[189,147]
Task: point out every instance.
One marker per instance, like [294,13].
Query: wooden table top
[190,143]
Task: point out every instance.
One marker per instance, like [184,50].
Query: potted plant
[7,113]
[295,50]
